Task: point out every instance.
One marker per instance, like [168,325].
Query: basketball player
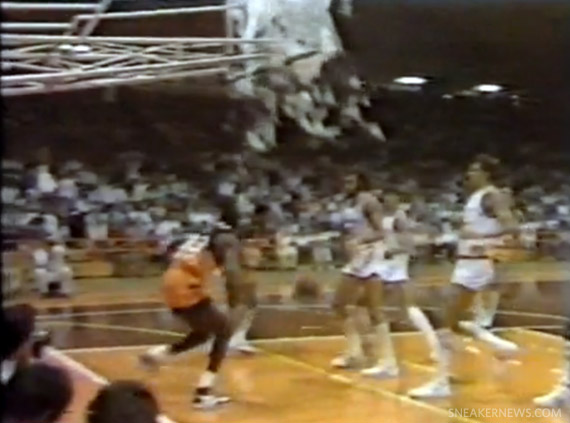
[486,219]
[186,294]
[363,223]
[487,301]
[395,272]
[240,285]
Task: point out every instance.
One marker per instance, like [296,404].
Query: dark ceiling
[521,43]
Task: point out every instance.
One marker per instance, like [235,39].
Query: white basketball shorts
[473,274]
[366,263]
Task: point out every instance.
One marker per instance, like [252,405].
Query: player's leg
[485,306]
[386,365]
[560,394]
[473,277]
[205,322]
[217,324]
[242,302]
[458,303]
[197,335]
[345,298]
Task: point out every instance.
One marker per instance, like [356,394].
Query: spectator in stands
[122,402]
[67,186]
[38,393]
[52,276]
[97,224]
[46,183]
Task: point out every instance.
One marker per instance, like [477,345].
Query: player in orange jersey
[185,290]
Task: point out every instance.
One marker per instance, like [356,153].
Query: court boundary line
[294,339]
[339,378]
[95,377]
[356,384]
[44,317]
[334,377]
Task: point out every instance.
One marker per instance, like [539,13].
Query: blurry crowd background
[132,198]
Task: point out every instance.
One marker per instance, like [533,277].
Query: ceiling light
[488,88]
[410,80]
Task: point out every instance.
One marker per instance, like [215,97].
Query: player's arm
[374,212]
[404,228]
[499,206]
[496,206]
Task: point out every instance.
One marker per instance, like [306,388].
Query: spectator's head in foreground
[121,402]
[38,393]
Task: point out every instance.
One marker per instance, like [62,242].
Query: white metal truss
[35,63]
[288,41]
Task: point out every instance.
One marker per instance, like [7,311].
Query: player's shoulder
[367,198]
[492,195]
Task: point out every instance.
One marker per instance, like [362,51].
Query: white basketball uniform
[394,269]
[367,261]
[474,269]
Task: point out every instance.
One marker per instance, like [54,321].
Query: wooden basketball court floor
[290,380]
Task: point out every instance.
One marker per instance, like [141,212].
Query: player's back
[185,281]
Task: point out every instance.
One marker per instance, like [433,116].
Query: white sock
[484,335]
[354,343]
[387,356]
[447,342]
[239,336]
[489,307]
[160,352]
[421,322]
[479,309]
[207,379]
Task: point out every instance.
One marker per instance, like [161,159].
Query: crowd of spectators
[73,201]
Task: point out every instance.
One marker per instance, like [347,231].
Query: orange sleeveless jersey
[185,282]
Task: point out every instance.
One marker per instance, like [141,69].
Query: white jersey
[194,245]
[354,218]
[474,270]
[368,259]
[394,269]
[475,220]
[392,236]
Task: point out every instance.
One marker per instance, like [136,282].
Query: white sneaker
[346,362]
[437,388]
[244,348]
[382,371]
[205,402]
[153,358]
[507,351]
[558,398]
